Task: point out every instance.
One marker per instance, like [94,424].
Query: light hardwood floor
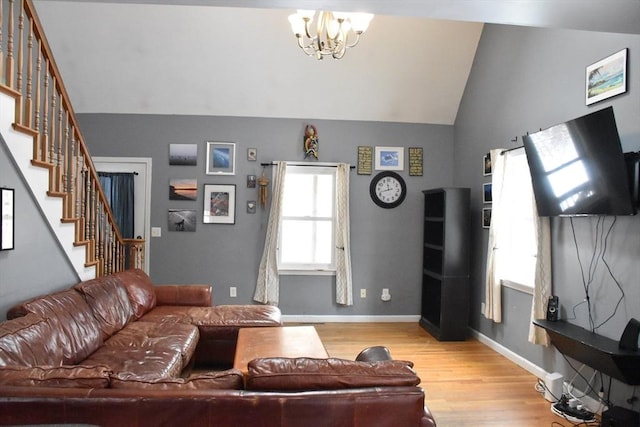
[466,383]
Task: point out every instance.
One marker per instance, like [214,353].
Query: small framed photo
[181,220]
[7,213]
[251,181]
[486,164]
[219,204]
[251,206]
[252,154]
[221,158]
[487,196]
[183,189]
[183,154]
[389,158]
[486,217]
[606,78]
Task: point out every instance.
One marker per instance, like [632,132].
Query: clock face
[387,189]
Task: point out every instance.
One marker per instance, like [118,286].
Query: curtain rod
[511,149]
[308,164]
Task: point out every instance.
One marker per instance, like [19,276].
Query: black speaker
[630,339]
[553,309]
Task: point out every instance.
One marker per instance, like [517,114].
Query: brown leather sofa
[120,351]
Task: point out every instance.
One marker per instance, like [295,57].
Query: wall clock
[387,189]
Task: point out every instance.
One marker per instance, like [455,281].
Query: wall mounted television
[578,168]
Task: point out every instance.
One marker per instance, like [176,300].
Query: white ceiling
[187,57]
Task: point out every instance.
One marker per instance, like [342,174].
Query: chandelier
[335,31]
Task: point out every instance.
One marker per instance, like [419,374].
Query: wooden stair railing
[44,111]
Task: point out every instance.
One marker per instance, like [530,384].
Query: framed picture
[486,217]
[251,206]
[183,154]
[415,161]
[486,193]
[7,213]
[221,158]
[486,164]
[252,154]
[183,189]
[251,181]
[219,204]
[389,158]
[181,220]
[365,160]
[606,78]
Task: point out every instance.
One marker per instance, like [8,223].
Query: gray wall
[524,79]
[386,244]
[37,265]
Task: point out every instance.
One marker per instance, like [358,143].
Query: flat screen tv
[578,168]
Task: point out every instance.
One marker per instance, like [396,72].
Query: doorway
[141,168]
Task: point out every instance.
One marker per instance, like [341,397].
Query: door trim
[144,167]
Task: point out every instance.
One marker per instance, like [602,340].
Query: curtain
[542,285]
[267,286]
[118,188]
[506,185]
[493,288]
[344,286]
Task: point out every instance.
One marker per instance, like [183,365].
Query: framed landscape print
[606,78]
[183,154]
[183,189]
[389,158]
[219,204]
[221,158]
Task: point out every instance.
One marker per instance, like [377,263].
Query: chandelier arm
[355,42]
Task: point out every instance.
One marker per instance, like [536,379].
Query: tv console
[601,353]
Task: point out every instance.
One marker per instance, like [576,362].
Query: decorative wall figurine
[310,142]
[263,182]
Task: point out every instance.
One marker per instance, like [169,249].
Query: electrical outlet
[482,307]
[233,292]
[156,232]
[363,293]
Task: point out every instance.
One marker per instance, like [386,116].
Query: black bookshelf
[445,263]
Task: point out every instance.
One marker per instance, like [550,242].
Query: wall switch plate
[156,231]
[363,293]
[233,292]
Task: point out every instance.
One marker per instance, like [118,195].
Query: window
[516,241]
[306,241]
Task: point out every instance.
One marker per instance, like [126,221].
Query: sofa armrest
[190,295]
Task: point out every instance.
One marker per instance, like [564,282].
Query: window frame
[512,282]
[310,268]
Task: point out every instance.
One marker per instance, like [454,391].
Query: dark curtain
[118,188]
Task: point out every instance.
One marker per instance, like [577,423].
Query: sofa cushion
[109,302]
[58,376]
[231,379]
[26,341]
[137,361]
[76,332]
[140,290]
[158,336]
[299,374]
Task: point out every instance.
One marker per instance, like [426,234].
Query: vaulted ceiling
[239,58]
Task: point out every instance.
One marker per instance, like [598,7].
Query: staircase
[41,131]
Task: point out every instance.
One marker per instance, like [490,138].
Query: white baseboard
[302,318]
[592,404]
